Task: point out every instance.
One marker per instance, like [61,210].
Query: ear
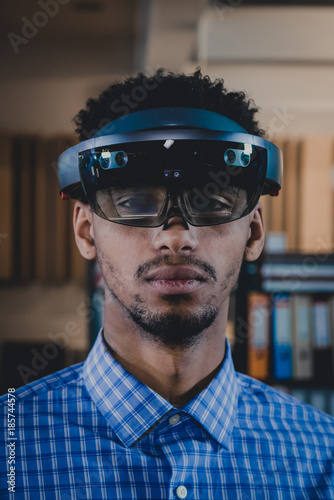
[83,230]
[255,240]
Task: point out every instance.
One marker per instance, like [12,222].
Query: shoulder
[267,407]
[290,440]
[66,380]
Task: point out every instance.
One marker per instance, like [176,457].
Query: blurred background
[54,55]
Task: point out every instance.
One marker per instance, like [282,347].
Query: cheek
[228,253]
[118,247]
[229,242]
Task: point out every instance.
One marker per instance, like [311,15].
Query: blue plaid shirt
[93,431]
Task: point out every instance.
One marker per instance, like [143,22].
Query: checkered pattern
[93,431]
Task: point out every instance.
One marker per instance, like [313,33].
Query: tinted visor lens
[207,181]
[134,200]
[217,205]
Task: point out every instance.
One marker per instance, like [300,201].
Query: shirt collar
[215,408]
[131,408]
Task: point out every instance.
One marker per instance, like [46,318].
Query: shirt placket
[171,440]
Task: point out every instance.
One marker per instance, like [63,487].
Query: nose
[175,236]
[166,223]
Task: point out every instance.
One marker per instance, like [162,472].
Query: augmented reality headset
[149,166]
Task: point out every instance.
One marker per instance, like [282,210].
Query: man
[168,190]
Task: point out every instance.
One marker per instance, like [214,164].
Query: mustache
[182,260]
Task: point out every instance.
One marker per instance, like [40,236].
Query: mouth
[174,280]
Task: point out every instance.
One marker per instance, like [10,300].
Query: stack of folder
[291,326]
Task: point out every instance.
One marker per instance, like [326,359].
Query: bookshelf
[284,324]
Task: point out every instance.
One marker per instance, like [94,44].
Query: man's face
[172,283]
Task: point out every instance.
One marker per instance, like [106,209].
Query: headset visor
[207,182]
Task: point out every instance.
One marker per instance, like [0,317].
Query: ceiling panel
[84,18]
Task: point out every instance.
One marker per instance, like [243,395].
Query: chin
[174,327]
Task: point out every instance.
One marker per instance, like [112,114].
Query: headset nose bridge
[174,210]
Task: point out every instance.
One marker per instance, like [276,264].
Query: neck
[177,373]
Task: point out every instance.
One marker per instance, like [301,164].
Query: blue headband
[170,117]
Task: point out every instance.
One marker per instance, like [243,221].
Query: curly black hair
[164,89]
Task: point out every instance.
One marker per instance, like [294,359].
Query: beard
[172,329]
[176,327]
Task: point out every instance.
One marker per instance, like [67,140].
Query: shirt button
[181,491]
[173,421]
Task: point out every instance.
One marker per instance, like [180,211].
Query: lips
[176,279]
[176,273]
